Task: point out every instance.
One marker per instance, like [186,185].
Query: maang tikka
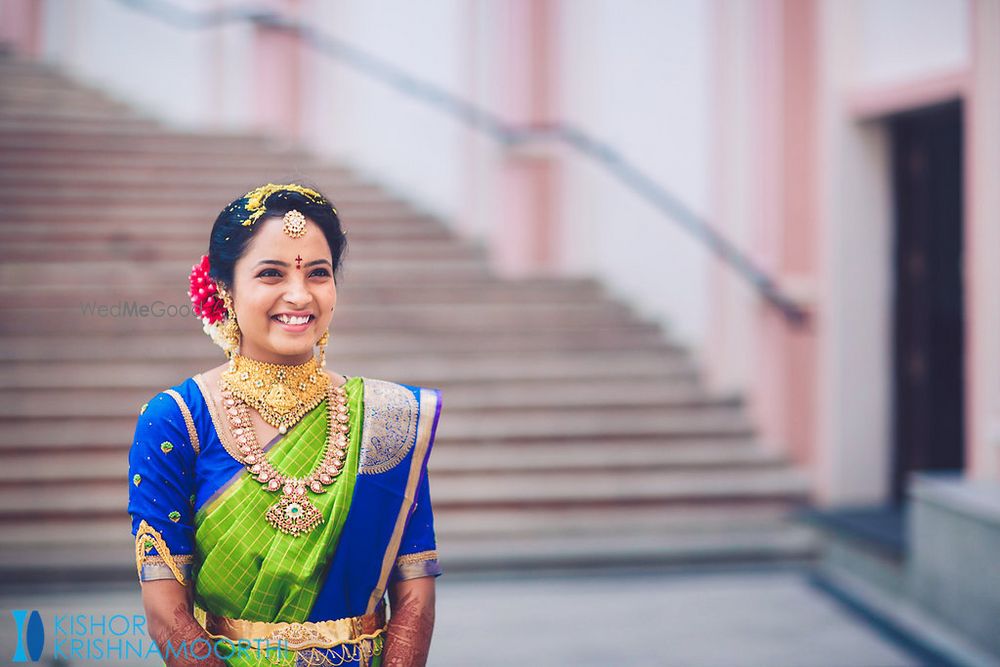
[295,224]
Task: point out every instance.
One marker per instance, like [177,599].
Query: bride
[274,503]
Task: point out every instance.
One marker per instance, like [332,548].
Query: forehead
[270,241]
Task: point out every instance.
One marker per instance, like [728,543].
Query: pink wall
[982,164]
[783,394]
[523,245]
[278,56]
[20,25]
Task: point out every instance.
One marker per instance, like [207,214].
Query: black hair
[230,236]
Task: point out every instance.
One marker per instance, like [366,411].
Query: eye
[269,273]
[320,272]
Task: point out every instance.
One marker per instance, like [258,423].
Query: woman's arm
[170,614]
[408,636]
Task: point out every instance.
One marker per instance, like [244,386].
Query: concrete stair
[574,433]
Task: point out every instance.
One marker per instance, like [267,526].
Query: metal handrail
[506,133]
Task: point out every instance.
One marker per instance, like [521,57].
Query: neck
[279,359]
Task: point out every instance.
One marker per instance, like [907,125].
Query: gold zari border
[144,531]
[418,557]
[427,405]
[180,559]
[188,420]
[298,636]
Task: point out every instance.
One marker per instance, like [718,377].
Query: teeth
[294,319]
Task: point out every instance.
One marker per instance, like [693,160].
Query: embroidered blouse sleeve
[161,491]
[418,556]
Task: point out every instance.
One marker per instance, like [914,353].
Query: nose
[297,295]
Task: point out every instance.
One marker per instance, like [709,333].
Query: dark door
[929,313]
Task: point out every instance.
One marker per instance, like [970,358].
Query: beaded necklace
[292,514]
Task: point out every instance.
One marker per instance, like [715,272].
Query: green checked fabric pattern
[250,570]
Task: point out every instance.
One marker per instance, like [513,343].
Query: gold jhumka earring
[323,340]
[230,327]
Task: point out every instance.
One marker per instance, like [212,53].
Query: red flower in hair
[204,294]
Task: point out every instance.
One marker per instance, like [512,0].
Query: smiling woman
[274,503]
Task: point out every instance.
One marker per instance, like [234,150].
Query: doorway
[929,313]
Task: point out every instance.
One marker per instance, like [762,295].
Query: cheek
[256,304]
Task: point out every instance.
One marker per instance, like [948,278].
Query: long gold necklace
[292,514]
[281,394]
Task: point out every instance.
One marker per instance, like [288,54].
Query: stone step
[469,317]
[193,348]
[151,146]
[373,229]
[491,394]
[55,97]
[360,201]
[495,490]
[44,88]
[179,196]
[113,558]
[510,292]
[21,250]
[22,158]
[16,69]
[21,469]
[630,364]
[60,107]
[376,211]
[37,155]
[127,174]
[21,119]
[75,125]
[779,543]
[484,426]
[101,274]
[453,525]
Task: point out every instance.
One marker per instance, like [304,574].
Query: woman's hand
[408,636]
[170,614]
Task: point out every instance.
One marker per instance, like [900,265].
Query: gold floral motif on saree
[390,426]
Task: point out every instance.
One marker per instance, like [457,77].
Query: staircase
[573,433]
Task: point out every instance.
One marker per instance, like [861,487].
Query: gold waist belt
[298,636]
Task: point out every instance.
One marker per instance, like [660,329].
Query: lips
[294,323]
[294,319]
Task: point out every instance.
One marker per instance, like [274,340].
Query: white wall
[159,69]
[412,149]
[638,79]
[899,40]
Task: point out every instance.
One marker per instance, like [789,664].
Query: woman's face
[278,278]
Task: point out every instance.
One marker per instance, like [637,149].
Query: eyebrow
[278,262]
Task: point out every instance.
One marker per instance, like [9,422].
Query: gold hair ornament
[256,198]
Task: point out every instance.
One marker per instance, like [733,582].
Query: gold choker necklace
[281,394]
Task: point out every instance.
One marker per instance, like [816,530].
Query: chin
[291,349]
